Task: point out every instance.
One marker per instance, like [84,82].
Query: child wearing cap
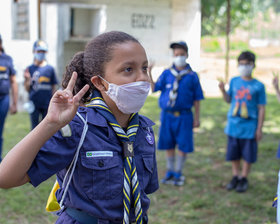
[40,82]
[7,82]
[180,91]
[247,99]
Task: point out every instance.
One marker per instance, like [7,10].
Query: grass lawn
[202,200]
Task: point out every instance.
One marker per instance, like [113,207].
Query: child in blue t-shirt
[40,82]
[180,91]
[247,99]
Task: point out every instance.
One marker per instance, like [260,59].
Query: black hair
[1,46]
[247,55]
[92,60]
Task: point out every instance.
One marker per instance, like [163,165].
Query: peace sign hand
[63,105]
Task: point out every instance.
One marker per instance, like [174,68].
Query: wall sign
[144,21]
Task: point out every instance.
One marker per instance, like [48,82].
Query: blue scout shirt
[245,98]
[6,70]
[42,80]
[189,90]
[97,183]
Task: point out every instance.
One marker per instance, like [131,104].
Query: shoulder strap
[72,166]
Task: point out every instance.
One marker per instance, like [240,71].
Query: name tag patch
[91,154]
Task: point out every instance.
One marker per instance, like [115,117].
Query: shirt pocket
[104,175]
[146,170]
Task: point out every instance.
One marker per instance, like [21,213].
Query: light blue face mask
[40,56]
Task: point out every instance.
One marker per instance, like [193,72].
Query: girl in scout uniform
[180,91]
[7,80]
[40,82]
[116,165]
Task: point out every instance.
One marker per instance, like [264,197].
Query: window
[20,13]
[86,22]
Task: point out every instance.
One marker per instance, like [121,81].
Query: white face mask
[245,70]
[180,61]
[130,97]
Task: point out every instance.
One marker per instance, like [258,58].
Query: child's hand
[221,84]
[196,123]
[63,105]
[275,80]
[26,74]
[258,135]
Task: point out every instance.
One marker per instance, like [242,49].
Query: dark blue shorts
[246,149]
[176,130]
[278,151]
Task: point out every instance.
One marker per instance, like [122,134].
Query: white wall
[186,25]
[155,23]
[19,50]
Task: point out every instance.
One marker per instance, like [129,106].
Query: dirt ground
[213,67]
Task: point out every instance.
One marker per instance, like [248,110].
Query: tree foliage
[214,13]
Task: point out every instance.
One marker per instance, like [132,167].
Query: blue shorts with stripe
[176,129]
[238,148]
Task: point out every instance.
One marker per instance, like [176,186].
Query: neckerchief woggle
[131,189]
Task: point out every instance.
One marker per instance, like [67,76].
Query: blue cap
[40,45]
[180,44]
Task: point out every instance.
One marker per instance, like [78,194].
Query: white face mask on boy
[130,97]
[245,70]
[180,61]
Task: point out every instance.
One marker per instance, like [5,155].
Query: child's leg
[170,163]
[34,117]
[235,165]
[170,160]
[245,169]
[235,168]
[181,158]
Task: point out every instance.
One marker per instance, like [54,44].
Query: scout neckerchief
[131,189]
[178,76]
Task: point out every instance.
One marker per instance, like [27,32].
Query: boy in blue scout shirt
[116,165]
[7,81]
[180,91]
[247,99]
[40,82]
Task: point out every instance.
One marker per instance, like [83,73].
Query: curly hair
[92,60]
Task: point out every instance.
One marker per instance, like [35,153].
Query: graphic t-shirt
[246,96]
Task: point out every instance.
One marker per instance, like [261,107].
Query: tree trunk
[227,41]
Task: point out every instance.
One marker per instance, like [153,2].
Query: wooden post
[227,41]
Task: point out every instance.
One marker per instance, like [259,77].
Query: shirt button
[100,163]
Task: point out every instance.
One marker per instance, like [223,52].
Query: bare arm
[62,109]
[261,115]
[226,97]
[196,122]
[27,80]
[54,88]
[14,88]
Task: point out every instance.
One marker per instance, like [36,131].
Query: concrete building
[67,25]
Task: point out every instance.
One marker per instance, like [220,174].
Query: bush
[210,45]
